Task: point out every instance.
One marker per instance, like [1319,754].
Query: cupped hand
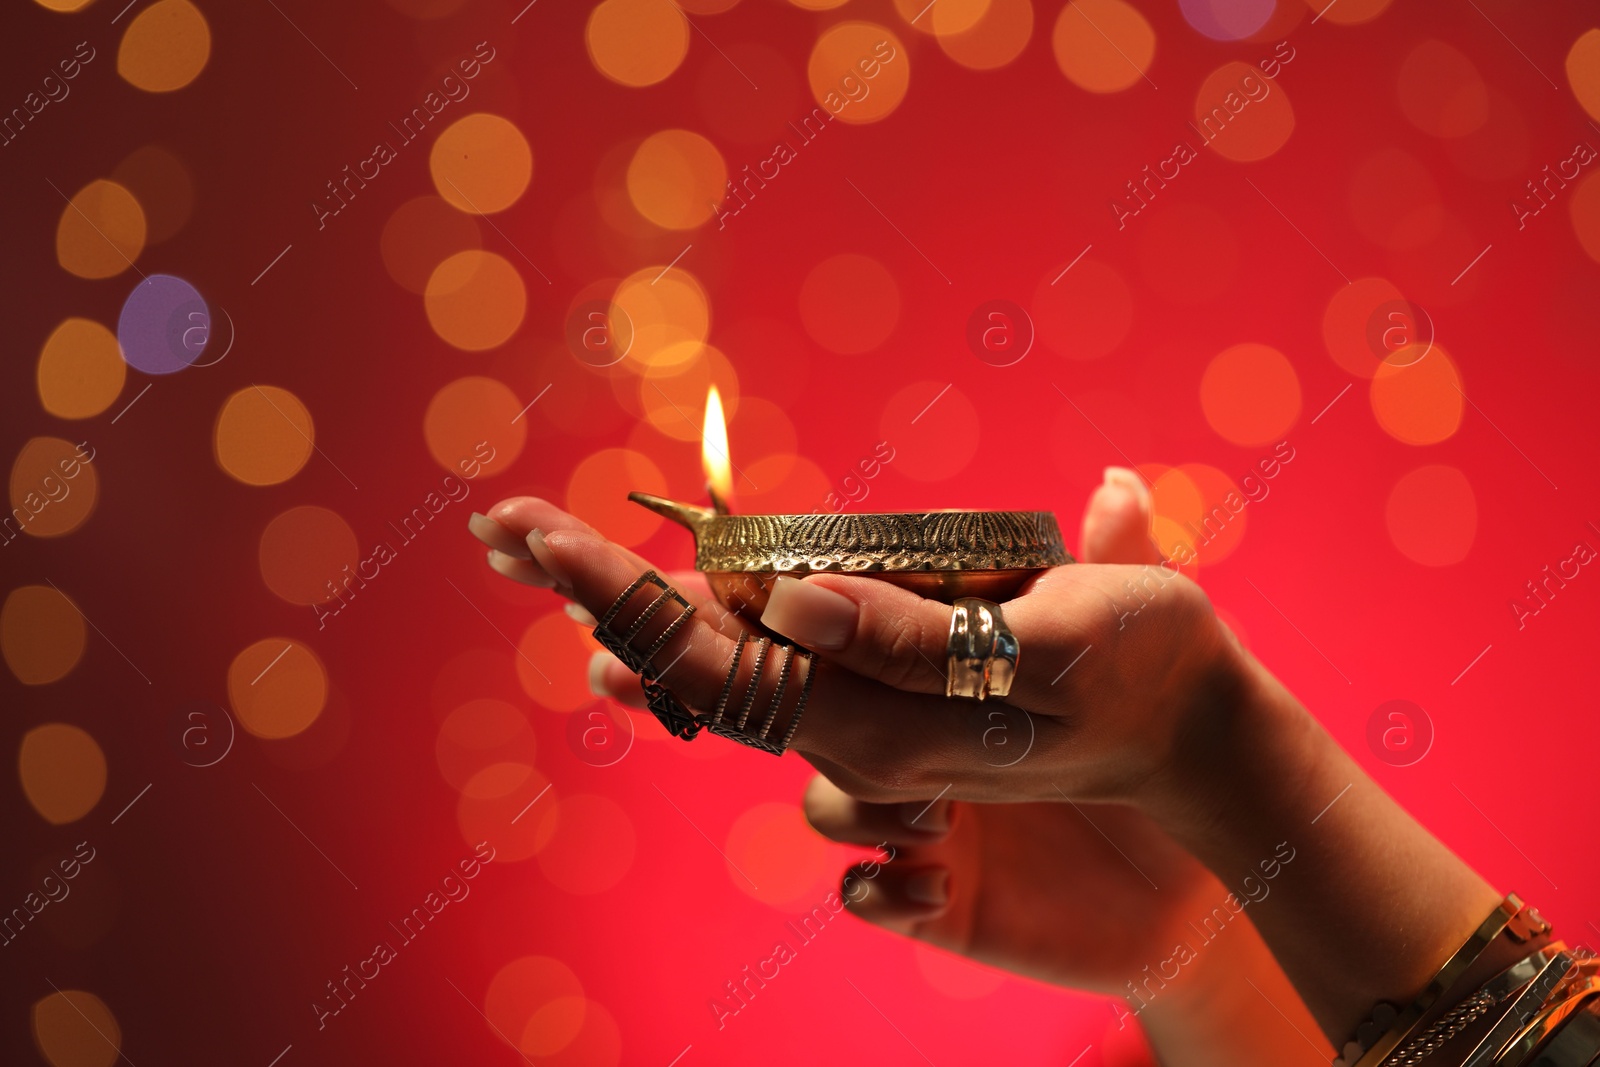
[1118,661]
[1081,896]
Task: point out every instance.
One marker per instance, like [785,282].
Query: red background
[208,925]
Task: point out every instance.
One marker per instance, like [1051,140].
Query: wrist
[1372,902]
[1239,740]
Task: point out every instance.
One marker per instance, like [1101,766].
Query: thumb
[1116,524]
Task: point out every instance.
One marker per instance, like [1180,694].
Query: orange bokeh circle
[676,179]
[76,1029]
[81,370]
[102,231]
[263,435]
[42,634]
[63,772]
[165,47]
[54,487]
[1347,323]
[481,163]
[475,427]
[475,300]
[1241,114]
[551,661]
[636,42]
[1250,394]
[1432,515]
[775,856]
[278,687]
[1418,401]
[308,554]
[1104,46]
[522,990]
[1583,71]
[998,37]
[598,492]
[859,71]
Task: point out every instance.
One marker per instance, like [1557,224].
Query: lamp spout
[691,517]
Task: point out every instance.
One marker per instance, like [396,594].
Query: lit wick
[714,454]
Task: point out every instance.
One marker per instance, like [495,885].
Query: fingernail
[815,617]
[931,818]
[597,673]
[1129,480]
[547,559]
[519,570]
[930,887]
[580,614]
[496,536]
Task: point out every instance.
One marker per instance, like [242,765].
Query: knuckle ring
[622,641]
[663,704]
[740,729]
[982,652]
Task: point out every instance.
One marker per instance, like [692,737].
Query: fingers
[877,742]
[508,530]
[516,553]
[878,630]
[904,884]
[903,893]
[610,678]
[837,815]
[1116,523]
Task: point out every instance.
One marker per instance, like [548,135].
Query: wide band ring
[651,623]
[982,653]
[619,641]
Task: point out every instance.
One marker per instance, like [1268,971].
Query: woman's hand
[1116,662]
[1133,691]
[1093,897]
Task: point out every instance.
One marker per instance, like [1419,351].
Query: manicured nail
[520,570]
[580,615]
[1129,480]
[930,887]
[815,617]
[597,673]
[496,536]
[547,559]
[930,818]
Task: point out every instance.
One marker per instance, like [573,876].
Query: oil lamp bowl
[942,555]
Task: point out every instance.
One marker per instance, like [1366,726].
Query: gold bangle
[1578,992]
[1374,1042]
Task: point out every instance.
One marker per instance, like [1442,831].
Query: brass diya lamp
[942,554]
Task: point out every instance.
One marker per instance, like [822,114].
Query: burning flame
[714,452]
